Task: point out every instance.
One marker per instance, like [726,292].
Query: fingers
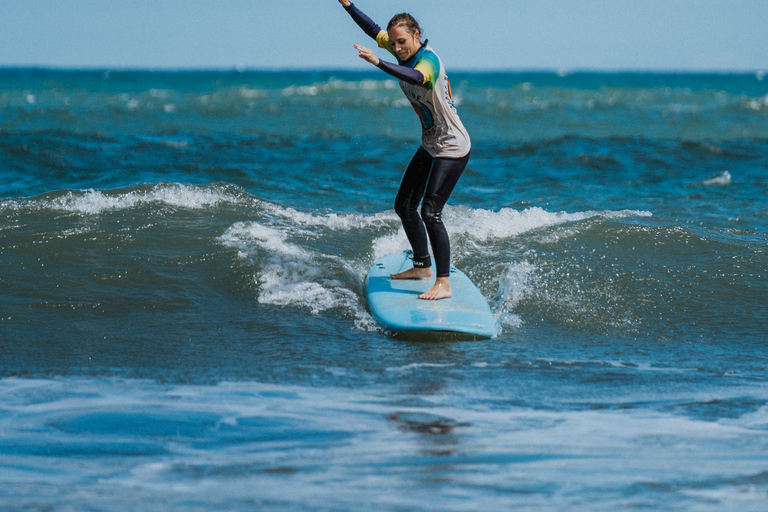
[367,54]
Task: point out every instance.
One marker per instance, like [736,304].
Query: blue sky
[469,35]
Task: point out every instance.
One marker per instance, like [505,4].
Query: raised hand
[367,54]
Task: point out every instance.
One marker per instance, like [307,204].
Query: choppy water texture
[183,325]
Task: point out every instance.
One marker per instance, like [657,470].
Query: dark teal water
[183,326]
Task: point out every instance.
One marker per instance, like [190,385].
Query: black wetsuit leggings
[432,179]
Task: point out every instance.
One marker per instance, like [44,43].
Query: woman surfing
[437,165]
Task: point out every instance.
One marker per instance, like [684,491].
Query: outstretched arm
[363,21]
[404,73]
[413,76]
[372,29]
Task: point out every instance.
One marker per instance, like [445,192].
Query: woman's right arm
[363,21]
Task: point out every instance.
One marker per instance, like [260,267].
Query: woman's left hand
[368,55]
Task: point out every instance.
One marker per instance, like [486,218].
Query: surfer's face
[405,44]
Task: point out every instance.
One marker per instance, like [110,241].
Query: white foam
[515,283]
[486,225]
[509,320]
[290,275]
[417,366]
[757,420]
[336,221]
[334,85]
[251,93]
[388,244]
[508,222]
[241,234]
[722,179]
[758,103]
[483,226]
[323,435]
[95,202]
[365,85]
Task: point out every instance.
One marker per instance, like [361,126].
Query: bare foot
[414,273]
[441,290]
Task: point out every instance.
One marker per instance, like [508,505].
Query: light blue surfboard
[394,303]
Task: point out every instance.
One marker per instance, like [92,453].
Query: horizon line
[561,71]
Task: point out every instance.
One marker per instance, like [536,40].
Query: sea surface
[183,323]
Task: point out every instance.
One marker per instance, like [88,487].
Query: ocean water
[183,324]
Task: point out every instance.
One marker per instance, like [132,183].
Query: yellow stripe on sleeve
[430,68]
[383,40]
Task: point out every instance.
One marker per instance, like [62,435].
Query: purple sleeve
[363,21]
[412,76]
[372,29]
